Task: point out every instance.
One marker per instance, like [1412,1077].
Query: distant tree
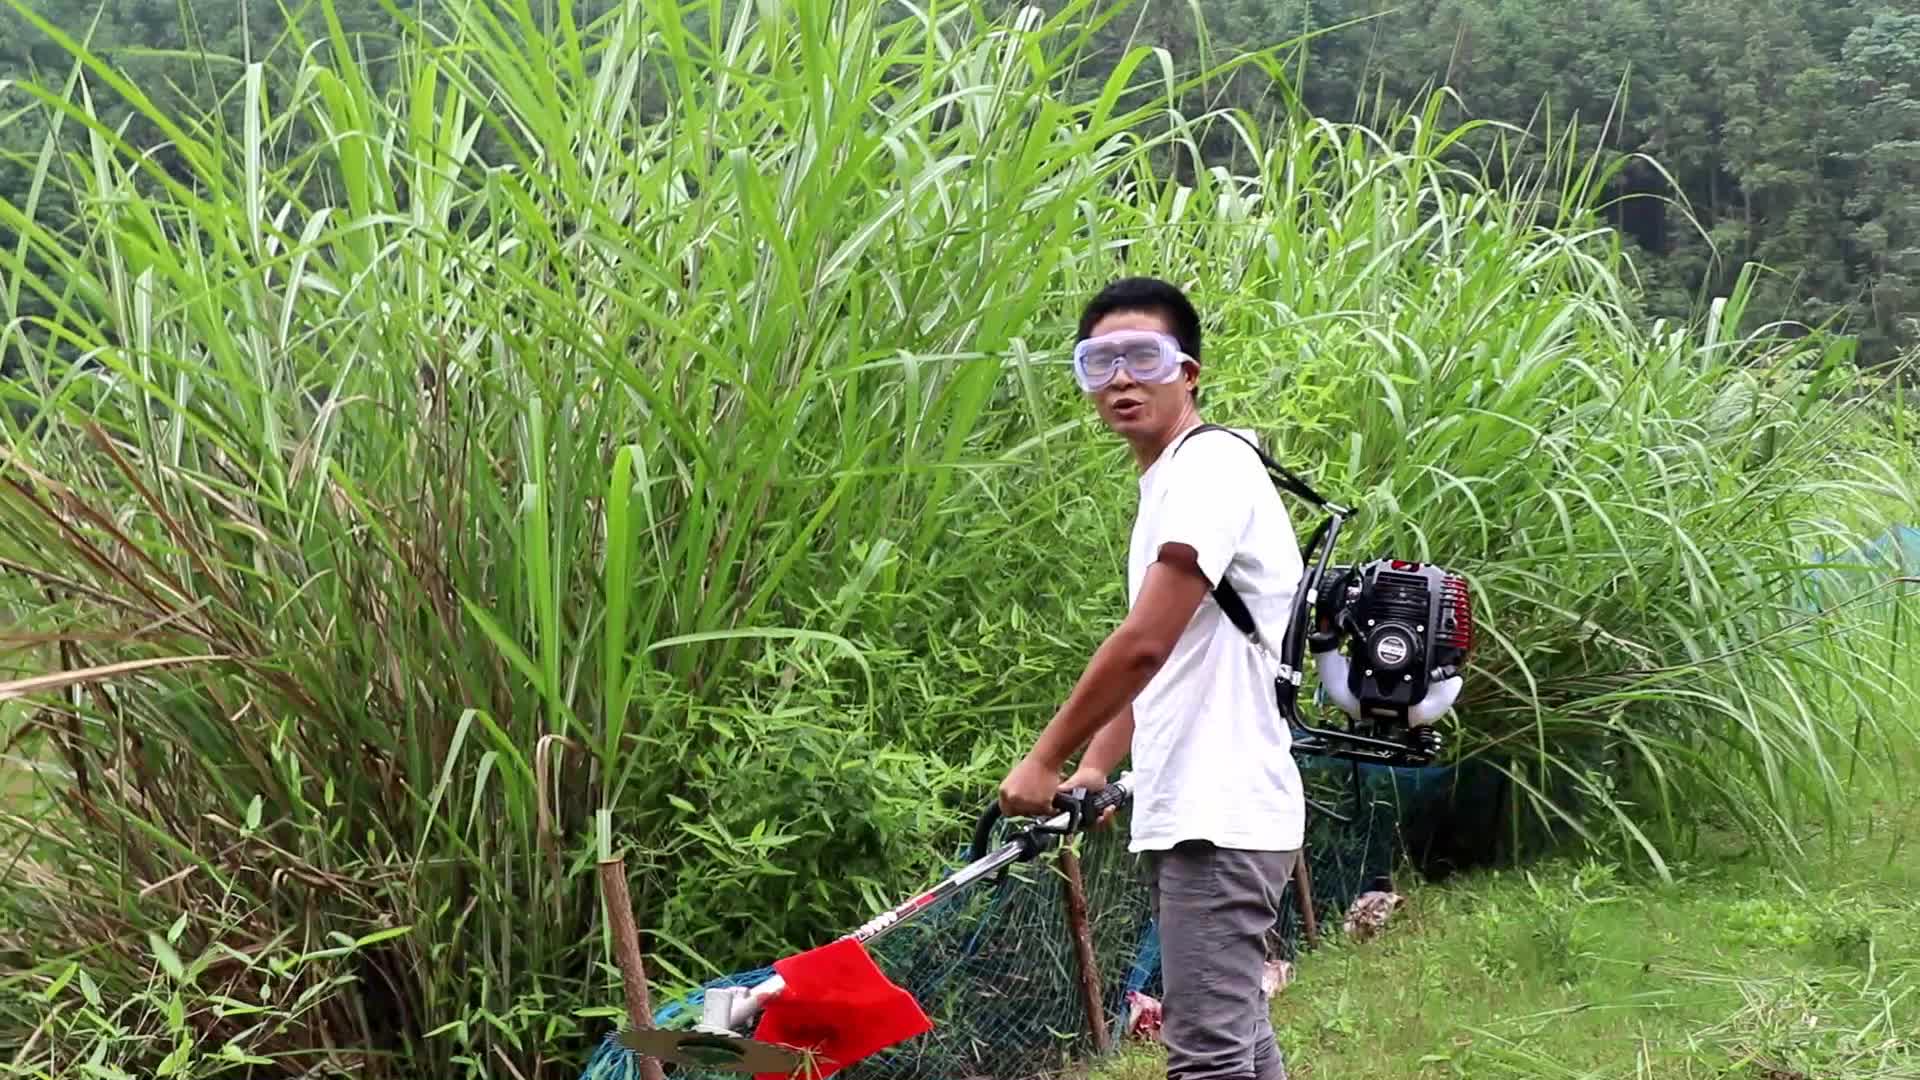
[1790,128]
[1787,126]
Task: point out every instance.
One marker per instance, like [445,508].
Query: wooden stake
[1074,891]
[626,952]
[1303,896]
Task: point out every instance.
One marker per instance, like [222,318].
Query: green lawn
[1564,970]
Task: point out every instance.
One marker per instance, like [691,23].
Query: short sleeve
[1206,505]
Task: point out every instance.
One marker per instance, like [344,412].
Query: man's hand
[1085,777]
[1093,780]
[1029,789]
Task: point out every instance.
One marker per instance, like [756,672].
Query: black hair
[1147,294]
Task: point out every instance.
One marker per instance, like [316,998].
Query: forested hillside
[1785,132]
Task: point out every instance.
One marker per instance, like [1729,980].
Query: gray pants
[1214,907]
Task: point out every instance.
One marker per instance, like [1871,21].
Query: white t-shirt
[1211,756]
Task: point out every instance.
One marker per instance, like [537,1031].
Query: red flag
[838,1005]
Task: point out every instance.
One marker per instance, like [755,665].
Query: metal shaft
[741,1003]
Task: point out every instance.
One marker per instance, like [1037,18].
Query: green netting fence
[995,967]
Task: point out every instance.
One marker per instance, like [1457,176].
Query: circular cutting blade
[710,1050]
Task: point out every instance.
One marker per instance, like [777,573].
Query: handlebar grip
[1075,806]
[1081,816]
[1106,799]
[1084,813]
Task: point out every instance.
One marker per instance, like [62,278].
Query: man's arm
[1121,667]
[1110,745]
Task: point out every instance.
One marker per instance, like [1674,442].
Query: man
[1218,808]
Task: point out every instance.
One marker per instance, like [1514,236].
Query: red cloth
[838,1005]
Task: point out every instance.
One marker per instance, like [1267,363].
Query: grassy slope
[1566,970]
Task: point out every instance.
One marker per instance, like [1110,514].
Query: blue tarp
[1844,575]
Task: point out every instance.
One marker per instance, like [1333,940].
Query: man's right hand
[1092,780]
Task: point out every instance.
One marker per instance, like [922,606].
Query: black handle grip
[1105,799]
[1072,805]
[1082,813]
[983,832]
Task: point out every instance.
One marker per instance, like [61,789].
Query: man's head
[1138,356]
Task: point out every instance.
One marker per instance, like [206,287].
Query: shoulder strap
[1230,603]
[1285,480]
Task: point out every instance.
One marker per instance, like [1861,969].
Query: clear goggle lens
[1147,356]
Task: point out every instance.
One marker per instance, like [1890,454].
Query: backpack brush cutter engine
[1407,628]
[831,1004]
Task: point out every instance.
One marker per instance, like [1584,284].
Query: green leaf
[174,1062]
[379,936]
[60,982]
[233,1052]
[164,955]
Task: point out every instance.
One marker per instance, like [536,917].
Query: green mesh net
[995,967]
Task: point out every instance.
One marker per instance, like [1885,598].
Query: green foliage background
[1783,133]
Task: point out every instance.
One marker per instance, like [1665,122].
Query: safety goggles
[1148,356]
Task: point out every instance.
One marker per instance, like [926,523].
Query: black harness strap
[1286,481]
[1223,594]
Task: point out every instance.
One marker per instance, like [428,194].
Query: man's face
[1136,410]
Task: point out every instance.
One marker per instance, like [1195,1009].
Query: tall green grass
[648,431]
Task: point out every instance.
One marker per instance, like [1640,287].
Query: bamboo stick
[1073,889]
[626,952]
[1303,897]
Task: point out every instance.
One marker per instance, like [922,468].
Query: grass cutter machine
[1389,638]
[828,1008]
